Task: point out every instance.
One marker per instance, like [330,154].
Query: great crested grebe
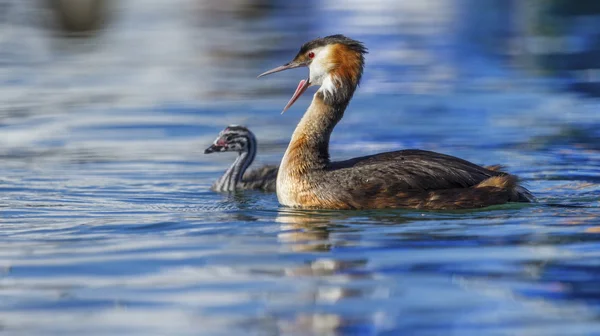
[239,139]
[402,179]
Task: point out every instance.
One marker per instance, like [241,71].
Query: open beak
[281,68]
[213,148]
[302,86]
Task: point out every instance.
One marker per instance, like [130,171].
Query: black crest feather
[334,39]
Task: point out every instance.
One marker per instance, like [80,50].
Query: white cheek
[328,86]
[317,73]
[319,67]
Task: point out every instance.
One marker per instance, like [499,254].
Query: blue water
[108,225]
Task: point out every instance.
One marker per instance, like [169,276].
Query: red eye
[311,55]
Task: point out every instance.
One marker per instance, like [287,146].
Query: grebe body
[411,178]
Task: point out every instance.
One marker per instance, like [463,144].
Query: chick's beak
[302,86]
[212,148]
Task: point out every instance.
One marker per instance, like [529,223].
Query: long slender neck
[233,175]
[309,147]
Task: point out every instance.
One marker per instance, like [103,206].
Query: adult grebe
[403,179]
[239,139]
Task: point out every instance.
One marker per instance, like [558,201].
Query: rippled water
[108,226]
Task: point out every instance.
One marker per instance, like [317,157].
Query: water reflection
[335,280]
[340,274]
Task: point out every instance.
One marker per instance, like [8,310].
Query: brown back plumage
[409,179]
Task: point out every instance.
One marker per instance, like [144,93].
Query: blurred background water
[108,225]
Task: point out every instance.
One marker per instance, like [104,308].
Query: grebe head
[334,62]
[233,138]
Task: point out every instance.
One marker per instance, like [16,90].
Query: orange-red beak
[302,86]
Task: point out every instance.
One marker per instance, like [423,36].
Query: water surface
[108,226]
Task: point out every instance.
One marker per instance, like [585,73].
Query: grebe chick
[410,178]
[239,139]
